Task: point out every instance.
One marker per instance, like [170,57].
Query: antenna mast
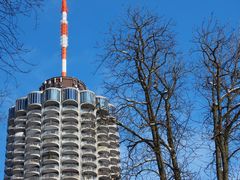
[64,37]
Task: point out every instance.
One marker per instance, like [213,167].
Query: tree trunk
[176,170]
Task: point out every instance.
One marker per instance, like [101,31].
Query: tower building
[62,131]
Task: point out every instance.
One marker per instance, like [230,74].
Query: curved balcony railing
[70,117]
[33,145]
[50,142]
[70,166]
[48,176]
[51,109]
[31,172]
[103,170]
[50,159]
[70,150]
[51,96]
[86,150]
[35,99]
[50,134]
[87,99]
[20,119]
[70,109]
[115,169]
[70,158]
[50,126]
[70,175]
[52,150]
[32,162]
[73,134]
[89,170]
[21,105]
[50,167]
[102,104]
[70,96]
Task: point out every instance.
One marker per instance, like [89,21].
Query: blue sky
[88,21]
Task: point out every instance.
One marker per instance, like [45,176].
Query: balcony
[51,96]
[34,114]
[114,152]
[33,122]
[88,121]
[114,145]
[50,176]
[35,99]
[89,170]
[103,170]
[50,134]
[51,109]
[70,109]
[33,130]
[50,168]
[70,149]
[32,163]
[31,172]
[19,127]
[114,136]
[70,167]
[32,139]
[52,150]
[87,99]
[70,159]
[30,146]
[70,176]
[89,160]
[88,136]
[115,169]
[50,142]
[102,135]
[70,126]
[20,119]
[70,134]
[70,96]
[104,177]
[114,161]
[18,169]
[18,160]
[51,118]
[21,106]
[49,159]
[34,154]
[103,144]
[17,152]
[104,160]
[89,151]
[103,149]
[50,126]
[88,126]
[17,177]
[102,105]
[70,118]
[20,144]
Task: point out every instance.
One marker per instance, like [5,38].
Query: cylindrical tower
[62,133]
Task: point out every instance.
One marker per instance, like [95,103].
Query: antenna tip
[64,6]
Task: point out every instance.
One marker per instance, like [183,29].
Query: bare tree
[145,78]
[11,48]
[219,83]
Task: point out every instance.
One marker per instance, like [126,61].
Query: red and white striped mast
[64,37]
